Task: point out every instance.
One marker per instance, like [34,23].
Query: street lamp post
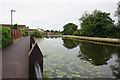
[11,17]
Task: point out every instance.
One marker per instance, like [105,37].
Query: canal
[68,58]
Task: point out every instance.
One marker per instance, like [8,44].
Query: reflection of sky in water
[68,58]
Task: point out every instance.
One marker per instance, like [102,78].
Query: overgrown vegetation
[25,32]
[6,37]
[15,26]
[37,34]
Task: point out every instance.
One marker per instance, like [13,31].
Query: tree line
[96,24]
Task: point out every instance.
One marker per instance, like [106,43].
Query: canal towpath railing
[35,60]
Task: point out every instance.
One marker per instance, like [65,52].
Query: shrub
[15,26]
[25,32]
[37,34]
[6,37]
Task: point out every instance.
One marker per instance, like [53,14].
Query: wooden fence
[16,34]
[35,60]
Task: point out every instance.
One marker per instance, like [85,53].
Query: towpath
[15,59]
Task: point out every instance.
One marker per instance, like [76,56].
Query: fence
[35,60]
[16,34]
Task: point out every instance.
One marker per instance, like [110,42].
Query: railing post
[35,55]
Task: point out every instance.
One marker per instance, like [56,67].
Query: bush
[6,37]
[25,32]
[15,27]
[37,34]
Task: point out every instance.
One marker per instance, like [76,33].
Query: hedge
[6,37]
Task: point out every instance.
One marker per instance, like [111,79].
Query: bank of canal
[67,58]
[95,39]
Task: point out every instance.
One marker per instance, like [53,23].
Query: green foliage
[77,33]
[97,24]
[25,32]
[45,76]
[47,31]
[6,37]
[15,27]
[69,29]
[69,43]
[52,31]
[37,34]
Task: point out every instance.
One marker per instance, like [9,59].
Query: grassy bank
[104,40]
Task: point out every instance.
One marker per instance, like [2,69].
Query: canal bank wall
[104,40]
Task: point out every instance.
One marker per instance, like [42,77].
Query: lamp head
[13,11]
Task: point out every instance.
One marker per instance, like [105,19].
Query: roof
[8,25]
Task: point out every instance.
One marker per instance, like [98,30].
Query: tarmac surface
[15,59]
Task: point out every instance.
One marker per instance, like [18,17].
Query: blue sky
[52,14]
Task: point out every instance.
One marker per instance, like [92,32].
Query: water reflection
[116,67]
[69,43]
[97,54]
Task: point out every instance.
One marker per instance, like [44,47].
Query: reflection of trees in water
[95,53]
[69,43]
[116,67]
[100,54]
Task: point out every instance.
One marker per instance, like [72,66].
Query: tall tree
[117,28]
[117,13]
[69,29]
[96,24]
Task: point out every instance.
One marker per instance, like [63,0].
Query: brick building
[20,26]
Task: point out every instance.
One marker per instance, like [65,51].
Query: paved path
[15,59]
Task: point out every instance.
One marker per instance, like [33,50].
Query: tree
[97,24]
[25,32]
[15,26]
[77,33]
[52,31]
[117,13]
[69,29]
[37,34]
[47,31]
[117,28]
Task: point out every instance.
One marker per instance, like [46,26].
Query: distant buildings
[20,26]
[50,33]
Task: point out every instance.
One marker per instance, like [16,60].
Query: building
[20,26]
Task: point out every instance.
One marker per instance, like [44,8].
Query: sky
[51,14]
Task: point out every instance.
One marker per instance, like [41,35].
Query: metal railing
[35,60]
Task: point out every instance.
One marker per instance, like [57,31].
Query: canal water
[68,58]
